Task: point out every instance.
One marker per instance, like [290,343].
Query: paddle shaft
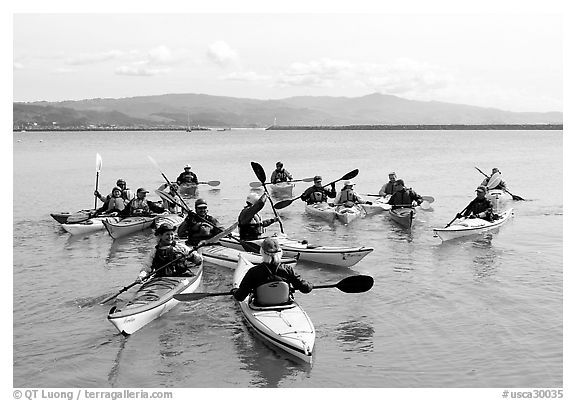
[256,184]
[455,217]
[96,196]
[261,175]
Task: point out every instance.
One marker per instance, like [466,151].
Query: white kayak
[281,190]
[128,225]
[348,214]
[466,227]
[378,205]
[172,218]
[287,327]
[227,257]
[321,210]
[88,226]
[152,300]
[303,251]
[188,190]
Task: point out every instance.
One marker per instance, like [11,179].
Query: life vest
[116,204]
[279,176]
[126,194]
[318,196]
[165,255]
[139,206]
[253,229]
[401,197]
[275,291]
[347,196]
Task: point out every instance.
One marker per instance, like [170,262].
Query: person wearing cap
[113,203]
[172,207]
[140,206]
[479,207]
[271,282]
[403,197]
[348,197]
[168,250]
[199,226]
[250,224]
[125,193]
[318,193]
[187,176]
[388,188]
[280,174]
[495,172]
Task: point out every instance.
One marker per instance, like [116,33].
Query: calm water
[480,312]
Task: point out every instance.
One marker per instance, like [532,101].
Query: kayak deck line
[305,352]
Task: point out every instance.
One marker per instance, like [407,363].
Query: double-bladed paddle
[98,168]
[210,241]
[256,184]
[429,199]
[214,183]
[261,175]
[514,197]
[351,285]
[455,217]
[284,203]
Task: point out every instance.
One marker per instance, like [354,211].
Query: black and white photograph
[301,197]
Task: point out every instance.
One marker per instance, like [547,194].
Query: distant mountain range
[176,110]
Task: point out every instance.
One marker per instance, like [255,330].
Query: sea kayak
[378,205]
[348,214]
[228,257]
[330,255]
[88,226]
[287,327]
[188,190]
[128,225]
[62,217]
[321,210]
[404,216]
[152,300]
[466,227]
[281,190]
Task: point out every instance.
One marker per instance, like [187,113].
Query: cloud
[321,73]
[248,76]
[91,58]
[222,54]
[141,71]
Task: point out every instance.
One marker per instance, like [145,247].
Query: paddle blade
[255,184]
[350,175]
[517,198]
[284,203]
[214,183]
[352,284]
[429,199]
[308,179]
[259,171]
[425,205]
[153,162]
[98,162]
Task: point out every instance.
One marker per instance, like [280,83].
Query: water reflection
[114,371]
[270,366]
[356,336]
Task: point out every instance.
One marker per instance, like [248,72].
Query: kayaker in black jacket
[317,193]
[250,224]
[195,228]
[480,207]
[187,176]
[403,197]
[271,271]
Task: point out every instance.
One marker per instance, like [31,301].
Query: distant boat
[188,129]
[224,129]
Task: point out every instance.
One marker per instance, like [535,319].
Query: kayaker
[388,188]
[250,224]
[172,207]
[140,206]
[317,193]
[480,207]
[187,176]
[167,250]
[114,203]
[348,197]
[280,174]
[271,282]
[403,197]
[126,193]
[195,229]
[495,173]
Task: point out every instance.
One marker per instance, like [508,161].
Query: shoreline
[390,127]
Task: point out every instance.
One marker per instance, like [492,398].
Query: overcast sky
[512,62]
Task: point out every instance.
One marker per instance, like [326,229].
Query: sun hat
[270,245]
[142,190]
[348,183]
[120,181]
[481,188]
[164,227]
[187,166]
[116,189]
[279,164]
